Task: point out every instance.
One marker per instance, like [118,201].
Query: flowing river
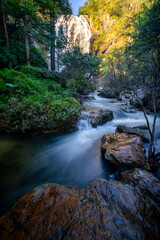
[72,159]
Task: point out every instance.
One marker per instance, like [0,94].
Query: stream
[71,159]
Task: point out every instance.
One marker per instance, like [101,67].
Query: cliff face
[111,22]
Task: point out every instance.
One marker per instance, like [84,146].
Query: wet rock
[88,97]
[141,95]
[119,99]
[133,131]
[123,150]
[99,117]
[141,127]
[104,210]
[144,96]
[148,184]
[125,94]
[109,93]
[128,110]
[147,191]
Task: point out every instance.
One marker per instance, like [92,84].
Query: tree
[5,27]
[79,69]
[144,50]
[54,8]
[23,10]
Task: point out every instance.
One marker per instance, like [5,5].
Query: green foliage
[6,56]
[143,52]
[39,73]
[112,21]
[79,68]
[31,102]
[16,54]
[31,18]
[127,34]
[146,36]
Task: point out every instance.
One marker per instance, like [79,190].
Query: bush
[38,72]
[31,103]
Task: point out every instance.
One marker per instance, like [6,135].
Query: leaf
[10,85]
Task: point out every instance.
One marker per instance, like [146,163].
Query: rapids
[71,159]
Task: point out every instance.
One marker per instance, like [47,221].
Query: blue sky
[76,4]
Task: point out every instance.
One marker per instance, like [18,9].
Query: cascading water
[74,30]
[72,159]
[84,124]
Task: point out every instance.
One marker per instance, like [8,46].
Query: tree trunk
[5,29]
[53,66]
[26,40]
[6,33]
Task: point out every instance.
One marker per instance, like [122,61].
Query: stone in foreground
[123,150]
[104,210]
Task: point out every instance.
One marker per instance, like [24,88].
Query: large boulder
[133,131]
[100,117]
[123,150]
[104,210]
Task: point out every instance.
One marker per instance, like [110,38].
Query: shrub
[29,103]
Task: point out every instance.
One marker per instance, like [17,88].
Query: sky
[75,4]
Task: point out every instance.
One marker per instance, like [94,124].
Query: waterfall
[84,124]
[74,30]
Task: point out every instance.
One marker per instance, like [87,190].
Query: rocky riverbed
[126,207]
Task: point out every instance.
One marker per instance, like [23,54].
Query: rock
[128,109]
[119,99]
[125,94]
[99,117]
[123,150]
[147,183]
[104,210]
[133,131]
[144,96]
[109,93]
[88,97]
[141,127]
[147,190]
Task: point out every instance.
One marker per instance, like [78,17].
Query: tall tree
[53,35]
[26,35]
[27,11]
[5,27]
[4,23]
[23,10]
[54,8]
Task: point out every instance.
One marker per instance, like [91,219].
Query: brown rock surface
[148,184]
[104,210]
[98,117]
[123,149]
